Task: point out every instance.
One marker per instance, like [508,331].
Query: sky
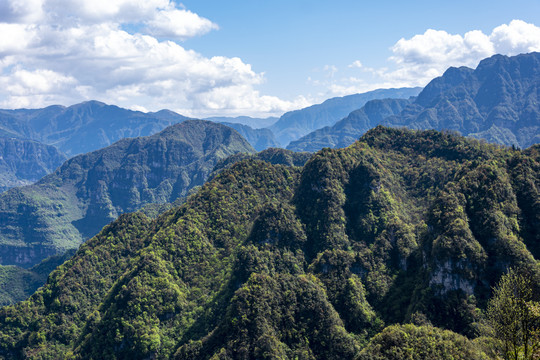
[260,58]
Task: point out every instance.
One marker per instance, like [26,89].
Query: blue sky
[257,57]
[293,40]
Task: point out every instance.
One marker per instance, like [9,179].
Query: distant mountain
[84,127]
[88,191]
[255,123]
[23,162]
[295,124]
[348,130]
[324,261]
[499,101]
[260,139]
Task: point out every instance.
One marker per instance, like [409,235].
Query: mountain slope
[260,139]
[23,162]
[347,131]
[287,262]
[89,191]
[499,101]
[295,124]
[254,123]
[83,127]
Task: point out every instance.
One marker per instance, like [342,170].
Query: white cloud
[70,51]
[356,64]
[179,24]
[515,38]
[427,55]
[417,60]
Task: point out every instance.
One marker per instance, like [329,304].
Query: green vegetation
[89,191]
[17,284]
[514,313]
[336,259]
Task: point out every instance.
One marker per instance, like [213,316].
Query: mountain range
[88,191]
[275,261]
[260,139]
[23,162]
[499,102]
[83,127]
[348,130]
[254,123]
[295,124]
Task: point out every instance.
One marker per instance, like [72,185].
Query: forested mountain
[88,191]
[295,124]
[83,127]
[23,162]
[499,101]
[254,123]
[348,130]
[260,139]
[275,261]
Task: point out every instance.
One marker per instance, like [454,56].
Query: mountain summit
[88,191]
[499,101]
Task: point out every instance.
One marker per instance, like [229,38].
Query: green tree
[515,315]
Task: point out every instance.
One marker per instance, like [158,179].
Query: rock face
[295,124]
[84,127]
[499,101]
[275,261]
[88,191]
[23,162]
[348,130]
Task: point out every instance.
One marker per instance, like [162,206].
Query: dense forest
[395,247]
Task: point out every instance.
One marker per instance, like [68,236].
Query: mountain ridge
[294,124]
[286,261]
[88,191]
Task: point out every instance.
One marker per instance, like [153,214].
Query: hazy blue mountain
[255,123]
[88,191]
[499,101]
[348,130]
[23,162]
[260,139]
[83,127]
[295,124]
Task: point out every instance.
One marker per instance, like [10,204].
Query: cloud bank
[415,61]
[124,52]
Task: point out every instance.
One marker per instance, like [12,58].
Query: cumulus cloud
[66,51]
[417,60]
[424,56]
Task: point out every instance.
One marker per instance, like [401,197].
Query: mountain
[84,127]
[295,124]
[499,101]
[23,162]
[348,130]
[17,284]
[260,139]
[255,123]
[88,191]
[324,261]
